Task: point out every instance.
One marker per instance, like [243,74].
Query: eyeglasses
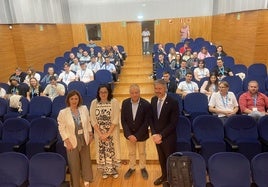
[222,87]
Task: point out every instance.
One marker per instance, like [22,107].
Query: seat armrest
[51,144]
[263,141]
[18,147]
[197,146]
[232,144]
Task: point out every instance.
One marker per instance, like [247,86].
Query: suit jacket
[168,119]
[139,126]
[172,86]
[67,125]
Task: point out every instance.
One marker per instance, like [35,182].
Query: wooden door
[134,38]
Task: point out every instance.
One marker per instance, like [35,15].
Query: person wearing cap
[54,89]
[16,88]
[94,65]
[84,74]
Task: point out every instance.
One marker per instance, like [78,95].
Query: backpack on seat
[179,170]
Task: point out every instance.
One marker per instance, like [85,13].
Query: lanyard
[190,88]
[225,102]
[221,70]
[255,100]
[82,74]
[66,76]
[183,72]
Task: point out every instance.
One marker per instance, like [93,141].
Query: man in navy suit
[135,117]
[163,126]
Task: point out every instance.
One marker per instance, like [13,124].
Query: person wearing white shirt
[93,65]
[223,103]
[201,72]
[187,86]
[84,74]
[145,39]
[75,66]
[67,75]
[110,67]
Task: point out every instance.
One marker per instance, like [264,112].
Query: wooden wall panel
[237,33]
[8,61]
[134,38]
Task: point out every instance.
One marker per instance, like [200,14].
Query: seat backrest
[263,127]
[5,86]
[40,105]
[198,169]
[239,127]
[259,165]
[25,108]
[259,79]
[57,104]
[183,128]
[47,168]
[66,55]
[15,130]
[210,62]
[208,127]
[14,168]
[3,107]
[179,99]
[235,83]
[228,61]
[1,128]
[103,76]
[77,85]
[229,169]
[258,69]
[240,68]
[59,62]
[43,130]
[195,102]
[92,88]
[48,65]
[168,46]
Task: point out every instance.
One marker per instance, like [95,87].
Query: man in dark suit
[135,117]
[164,120]
[171,83]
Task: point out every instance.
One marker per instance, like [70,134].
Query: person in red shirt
[253,102]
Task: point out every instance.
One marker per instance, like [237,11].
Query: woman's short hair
[72,93]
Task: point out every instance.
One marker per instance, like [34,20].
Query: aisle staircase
[137,69]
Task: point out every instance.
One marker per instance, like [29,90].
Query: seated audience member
[91,44]
[75,66]
[67,75]
[184,48]
[35,89]
[85,58]
[91,52]
[93,65]
[253,102]
[50,72]
[182,71]
[70,60]
[31,73]
[110,67]
[2,93]
[203,53]
[187,55]
[219,53]
[161,63]
[100,58]
[175,64]
[187,86]
[221,71]
[193,61]
[118,58]
[54,89]
[210,86]
[201,72]
[161,50]
[17,88]
[19,74]
[171,55]
[79,54]
[223,103]
[171,83]
[84,74]
[104,51]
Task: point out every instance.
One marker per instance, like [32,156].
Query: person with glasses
[223,103]
[104,115]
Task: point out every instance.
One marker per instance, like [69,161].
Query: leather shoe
[159,181]
[144,173]
[129,173]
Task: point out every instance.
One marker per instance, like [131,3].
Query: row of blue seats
[43,169]
[207,135]
[227,169]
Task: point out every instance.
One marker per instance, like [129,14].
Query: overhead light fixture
[140,17]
